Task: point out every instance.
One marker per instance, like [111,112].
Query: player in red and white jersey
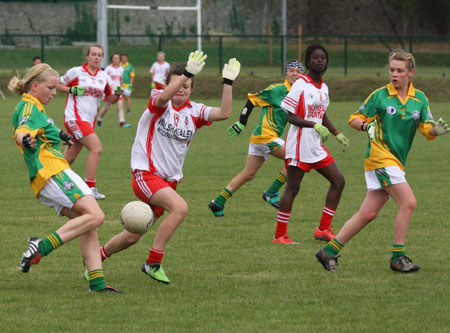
[306,104]
[164,134]
[159,71]
[115,72]
[85,87]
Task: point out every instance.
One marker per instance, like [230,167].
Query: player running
[165,132]
[85,87]
[115,72]
[159,71]
[391,116]
[266,138]
[127,79]
[52,180]
[306,105]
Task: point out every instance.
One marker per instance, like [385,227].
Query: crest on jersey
[416,115]
[429,115]
[362,107]
[176,119]
[391,110]
[186,120]
[50,121]
[23,121]
[68,186]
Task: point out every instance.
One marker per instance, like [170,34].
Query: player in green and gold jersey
[127,79]
[266,138]
[52,180]
[391,116]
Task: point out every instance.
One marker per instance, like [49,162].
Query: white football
[137,217]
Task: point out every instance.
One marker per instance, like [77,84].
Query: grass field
[226,274]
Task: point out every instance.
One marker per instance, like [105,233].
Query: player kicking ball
[165,132]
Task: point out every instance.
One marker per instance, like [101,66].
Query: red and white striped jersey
[159,72]
[96,85]
[164,135]
[115,73]
[310,102]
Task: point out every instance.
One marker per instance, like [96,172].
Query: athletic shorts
[127,91]
[63,190]
[79,129]
[307,167]
[384,177]
[159,86]
[146,183]
[265,149]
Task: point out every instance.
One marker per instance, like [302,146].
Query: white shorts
[127,92]
[265,149]
[63,190]
[384,177]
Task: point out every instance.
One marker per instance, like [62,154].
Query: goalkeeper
[266,138]
[390,116]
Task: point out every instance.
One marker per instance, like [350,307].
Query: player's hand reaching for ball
[231,71]
[195,63]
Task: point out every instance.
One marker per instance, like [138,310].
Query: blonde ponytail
[38,73]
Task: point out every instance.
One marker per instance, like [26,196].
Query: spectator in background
[159,71]
[37,60]
[127,79]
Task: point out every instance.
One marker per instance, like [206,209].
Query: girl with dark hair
[306,106]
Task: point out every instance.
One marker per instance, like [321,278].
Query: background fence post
[345,55]
[42,47]
[220,55]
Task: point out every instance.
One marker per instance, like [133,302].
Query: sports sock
[398,250]
[327,217]
[90,182]
[50,243]
[155,255]
[282,223]
[103,253]
[223,196]
[279,181]
[333,247]
[97,280]
[99,118]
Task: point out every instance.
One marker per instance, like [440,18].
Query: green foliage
[236,23]
[226,274]
[6,38]
[85,25]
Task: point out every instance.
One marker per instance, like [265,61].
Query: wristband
[362,126]
[187,74]
[227,81]
[336,132]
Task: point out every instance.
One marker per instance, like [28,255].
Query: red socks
[327,217]
[103,253]
[282,223]
[155,255]
[90,182]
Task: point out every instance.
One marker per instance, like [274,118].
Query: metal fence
[349,54]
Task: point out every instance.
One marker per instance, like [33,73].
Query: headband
[294,63]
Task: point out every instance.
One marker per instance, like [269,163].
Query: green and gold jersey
[273,118]
[397,122]
[45,160]
[128,73]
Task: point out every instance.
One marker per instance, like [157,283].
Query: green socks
[333,247]
[279,181]
[97,280]
[50,243]
[223,196]
[398,250]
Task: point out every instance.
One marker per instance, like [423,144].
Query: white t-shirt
[159,72]
[164,135]
[95,85]
[115,74]
[310,102]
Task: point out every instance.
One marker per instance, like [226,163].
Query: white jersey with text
[164,135]
[159,72]
[115,73]
[96,85]
[310,102]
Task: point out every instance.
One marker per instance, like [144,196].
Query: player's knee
[410,205]
[97,150]
[182,210]
[369,215]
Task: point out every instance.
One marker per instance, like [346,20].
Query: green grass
[226,274]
